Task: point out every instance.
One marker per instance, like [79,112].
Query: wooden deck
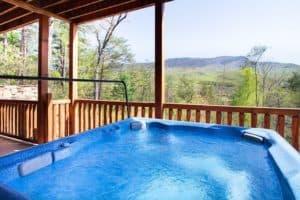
[9,145]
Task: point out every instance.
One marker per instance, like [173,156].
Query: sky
[210,28]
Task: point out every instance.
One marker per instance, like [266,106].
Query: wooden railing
[58,119]
[284,121]
[19,119]
[90,114]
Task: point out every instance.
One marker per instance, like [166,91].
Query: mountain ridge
[216,62]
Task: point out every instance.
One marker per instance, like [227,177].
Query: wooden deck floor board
[9,146]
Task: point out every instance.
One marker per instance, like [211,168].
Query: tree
[139,81]
[59,47]
[118,90]
[18,54]
[105,53]
[245,94]
[185,89]
[58,57]
[294,86]
[254,57]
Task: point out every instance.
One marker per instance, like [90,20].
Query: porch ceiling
[17,13]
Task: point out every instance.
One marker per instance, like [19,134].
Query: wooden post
[73,60]
[50,117]
[43,85]
[159,60]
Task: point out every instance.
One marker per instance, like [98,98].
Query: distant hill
[234,61]
[228,61]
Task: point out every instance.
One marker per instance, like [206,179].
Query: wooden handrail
[115,102]
[269,110]
[61,101]
[13,101]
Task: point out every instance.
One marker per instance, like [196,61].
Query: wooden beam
[159,61]
[131,6]
[43,85]
[29,19]
[73,64]
[35,9]
[97,7]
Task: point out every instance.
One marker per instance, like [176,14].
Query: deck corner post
[159,60]
[42,114]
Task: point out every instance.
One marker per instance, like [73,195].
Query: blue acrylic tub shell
[287,159]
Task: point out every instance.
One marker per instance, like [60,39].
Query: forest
[104,55]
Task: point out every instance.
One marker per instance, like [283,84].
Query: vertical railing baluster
[170,113]
[207,116]
[188,115]
[267,120]
[218,117]
[295,131]
[253,120]
[241,119]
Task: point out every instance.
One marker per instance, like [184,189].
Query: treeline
[103,55]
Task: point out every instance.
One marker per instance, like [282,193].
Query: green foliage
[245,93]
[294,86]
[16,59]
[139,83]
[294,82]
[208,91]
[13,38]
[58,63]
[185,89]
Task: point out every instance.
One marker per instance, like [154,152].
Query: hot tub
[155,159]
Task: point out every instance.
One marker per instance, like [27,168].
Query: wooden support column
[42,124]
[73,60]
[159,60]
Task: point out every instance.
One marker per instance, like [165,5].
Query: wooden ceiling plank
[102,5]
[13,15]
[34,9]
[135,5]
[2,12]
[29,19]
[5,7]
[71,5]
[47,3]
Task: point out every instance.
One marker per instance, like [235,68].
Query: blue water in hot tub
[160,163]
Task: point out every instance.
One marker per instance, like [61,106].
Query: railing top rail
[61,101]
[15,101]
[147,104]
[268,110]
